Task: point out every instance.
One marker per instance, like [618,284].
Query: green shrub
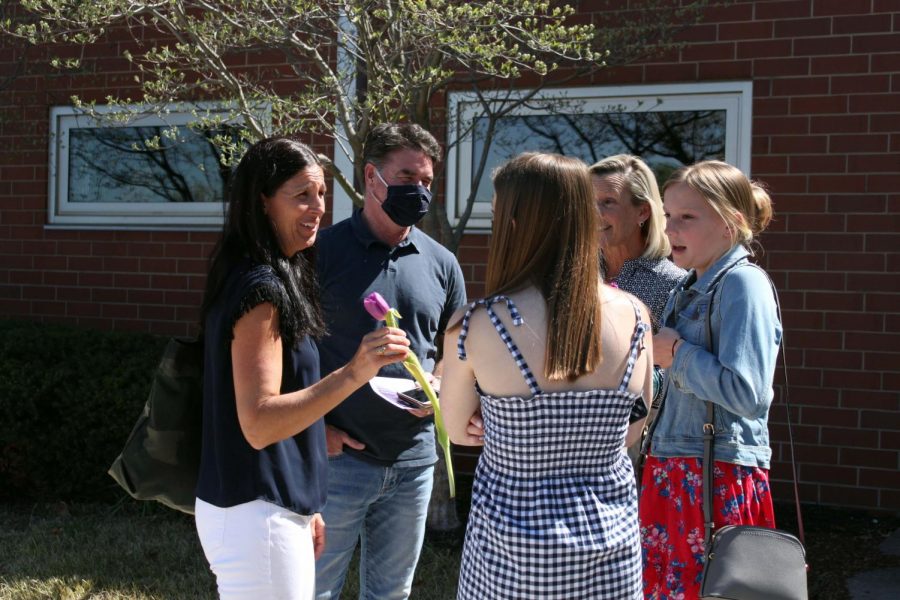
[68,399]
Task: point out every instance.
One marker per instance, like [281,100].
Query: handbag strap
[709,426]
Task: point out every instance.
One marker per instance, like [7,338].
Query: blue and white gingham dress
[554,505]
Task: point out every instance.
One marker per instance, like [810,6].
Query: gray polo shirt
[424,282]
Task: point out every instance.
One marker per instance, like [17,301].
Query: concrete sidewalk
[879,583]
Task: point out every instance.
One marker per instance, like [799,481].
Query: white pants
[258,551]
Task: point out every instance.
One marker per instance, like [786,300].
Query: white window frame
[735,97]
[122,215]
[342,157]
[341,203]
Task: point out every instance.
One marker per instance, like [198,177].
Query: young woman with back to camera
[557,361]
[634,249]
[714,214]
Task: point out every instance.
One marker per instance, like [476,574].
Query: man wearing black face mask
[381,458]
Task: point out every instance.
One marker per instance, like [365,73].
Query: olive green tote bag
[161,458]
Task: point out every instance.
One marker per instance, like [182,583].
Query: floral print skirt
[671,516]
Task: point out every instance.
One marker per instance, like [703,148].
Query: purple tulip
[380,310]
[376,306]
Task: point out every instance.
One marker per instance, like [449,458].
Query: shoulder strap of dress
[464,328]
[504,335]
[637,344]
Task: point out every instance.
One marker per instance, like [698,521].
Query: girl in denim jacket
[713,214]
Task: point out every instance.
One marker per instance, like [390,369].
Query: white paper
[387,388]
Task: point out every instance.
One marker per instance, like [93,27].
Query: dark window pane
[666,140]
[144,164]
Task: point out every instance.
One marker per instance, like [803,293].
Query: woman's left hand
[378,349]
[662,347]
[317,527]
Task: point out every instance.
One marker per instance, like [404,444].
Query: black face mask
[405,204]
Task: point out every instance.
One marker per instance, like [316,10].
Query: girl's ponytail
[763,205]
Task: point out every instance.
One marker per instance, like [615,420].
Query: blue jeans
[385,508]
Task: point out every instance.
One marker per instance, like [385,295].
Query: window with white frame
[666,125]
[148,172]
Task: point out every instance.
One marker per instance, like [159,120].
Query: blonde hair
[745,206]
[641,184]
[545,235]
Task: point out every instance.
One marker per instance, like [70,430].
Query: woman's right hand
[380,348]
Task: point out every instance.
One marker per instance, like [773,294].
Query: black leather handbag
[161,458]
[754,563]
[744,562]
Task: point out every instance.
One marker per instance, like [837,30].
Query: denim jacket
[736,376]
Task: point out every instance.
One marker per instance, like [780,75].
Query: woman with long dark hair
[262,474]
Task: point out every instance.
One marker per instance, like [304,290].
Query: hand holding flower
[376,306]
[378,349]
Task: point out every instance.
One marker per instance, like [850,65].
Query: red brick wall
[826,138]
[133,280]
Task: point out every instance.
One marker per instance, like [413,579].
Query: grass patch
[141,551]
[133,551]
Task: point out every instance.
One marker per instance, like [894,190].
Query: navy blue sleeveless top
[290,473]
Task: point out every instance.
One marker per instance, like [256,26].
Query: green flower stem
[415,368]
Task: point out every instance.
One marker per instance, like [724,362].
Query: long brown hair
[545,235]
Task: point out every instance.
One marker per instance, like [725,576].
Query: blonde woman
[634,249]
